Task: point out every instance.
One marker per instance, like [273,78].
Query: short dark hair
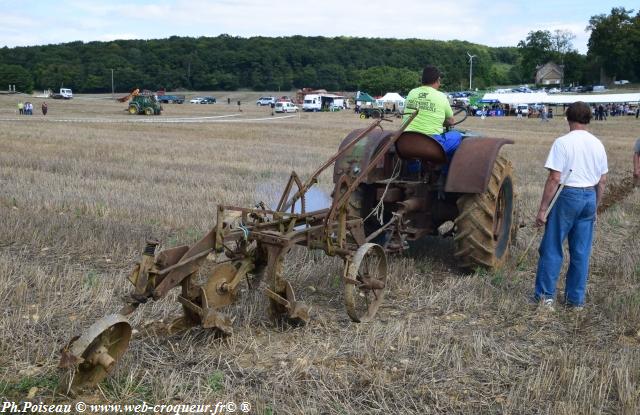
[430,74]
[579,112]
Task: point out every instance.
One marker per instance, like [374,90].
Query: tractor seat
[412,145]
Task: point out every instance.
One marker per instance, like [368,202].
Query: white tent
[391,98]
[544,98]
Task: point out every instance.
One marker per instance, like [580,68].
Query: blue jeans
[572,218]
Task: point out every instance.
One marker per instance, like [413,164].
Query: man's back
[433,109]
[583,154]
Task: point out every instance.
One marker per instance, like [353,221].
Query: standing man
[636,163]
[577,160]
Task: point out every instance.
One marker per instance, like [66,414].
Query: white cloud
[498,23]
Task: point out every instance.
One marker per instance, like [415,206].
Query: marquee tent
[390,98]
[364,97]
[559,99]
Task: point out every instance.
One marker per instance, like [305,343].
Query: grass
[81,189]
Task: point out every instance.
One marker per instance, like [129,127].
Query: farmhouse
[549,74]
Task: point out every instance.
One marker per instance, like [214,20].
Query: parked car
[208,100]
[621,82]
[196,100]
[286,107]
[266,101]
[171,99]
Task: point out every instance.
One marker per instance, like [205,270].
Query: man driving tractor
[425,138]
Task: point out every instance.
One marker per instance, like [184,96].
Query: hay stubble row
[77,200]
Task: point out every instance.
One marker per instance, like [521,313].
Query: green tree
[16,75]
[383,79]
[536,50]
[614,42]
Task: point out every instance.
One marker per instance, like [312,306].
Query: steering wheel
[457,110]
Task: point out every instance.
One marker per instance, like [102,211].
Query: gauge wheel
[366,282]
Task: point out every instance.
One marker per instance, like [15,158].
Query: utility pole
[112,90]
[470,68]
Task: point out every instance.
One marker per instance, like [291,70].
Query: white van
[523,109]
[312,102]
[66,93]
[285,107]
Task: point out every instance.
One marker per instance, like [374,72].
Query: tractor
[388,191]
[399,186]
[144,104]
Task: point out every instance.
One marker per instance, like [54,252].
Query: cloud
[500,23]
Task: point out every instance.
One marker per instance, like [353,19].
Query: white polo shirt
[583,154]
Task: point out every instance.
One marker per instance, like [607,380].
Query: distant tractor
[144,104]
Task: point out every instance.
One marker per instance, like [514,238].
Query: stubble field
[81,189]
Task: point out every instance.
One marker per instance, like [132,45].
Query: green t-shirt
[433,108]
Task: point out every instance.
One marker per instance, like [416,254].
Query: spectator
[21,108]
[636,163]
[578,161]
[44,108]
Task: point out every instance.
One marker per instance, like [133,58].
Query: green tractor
[144,104]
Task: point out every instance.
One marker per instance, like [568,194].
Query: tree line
[337,64]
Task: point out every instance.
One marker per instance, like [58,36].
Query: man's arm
[550,187]
[600,189]
[449,121]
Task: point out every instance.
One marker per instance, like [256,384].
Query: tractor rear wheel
[148,111]
[133,110]
[485,221]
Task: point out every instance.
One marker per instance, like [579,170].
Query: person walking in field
[578,161]
[636,163]
[543,114]
[45,108]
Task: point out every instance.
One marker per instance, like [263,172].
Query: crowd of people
[602,111]
[26,108]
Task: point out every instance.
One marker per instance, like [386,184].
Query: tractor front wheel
[133,110]
[485,221]
[148,111]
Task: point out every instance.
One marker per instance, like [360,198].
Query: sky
[492,23]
